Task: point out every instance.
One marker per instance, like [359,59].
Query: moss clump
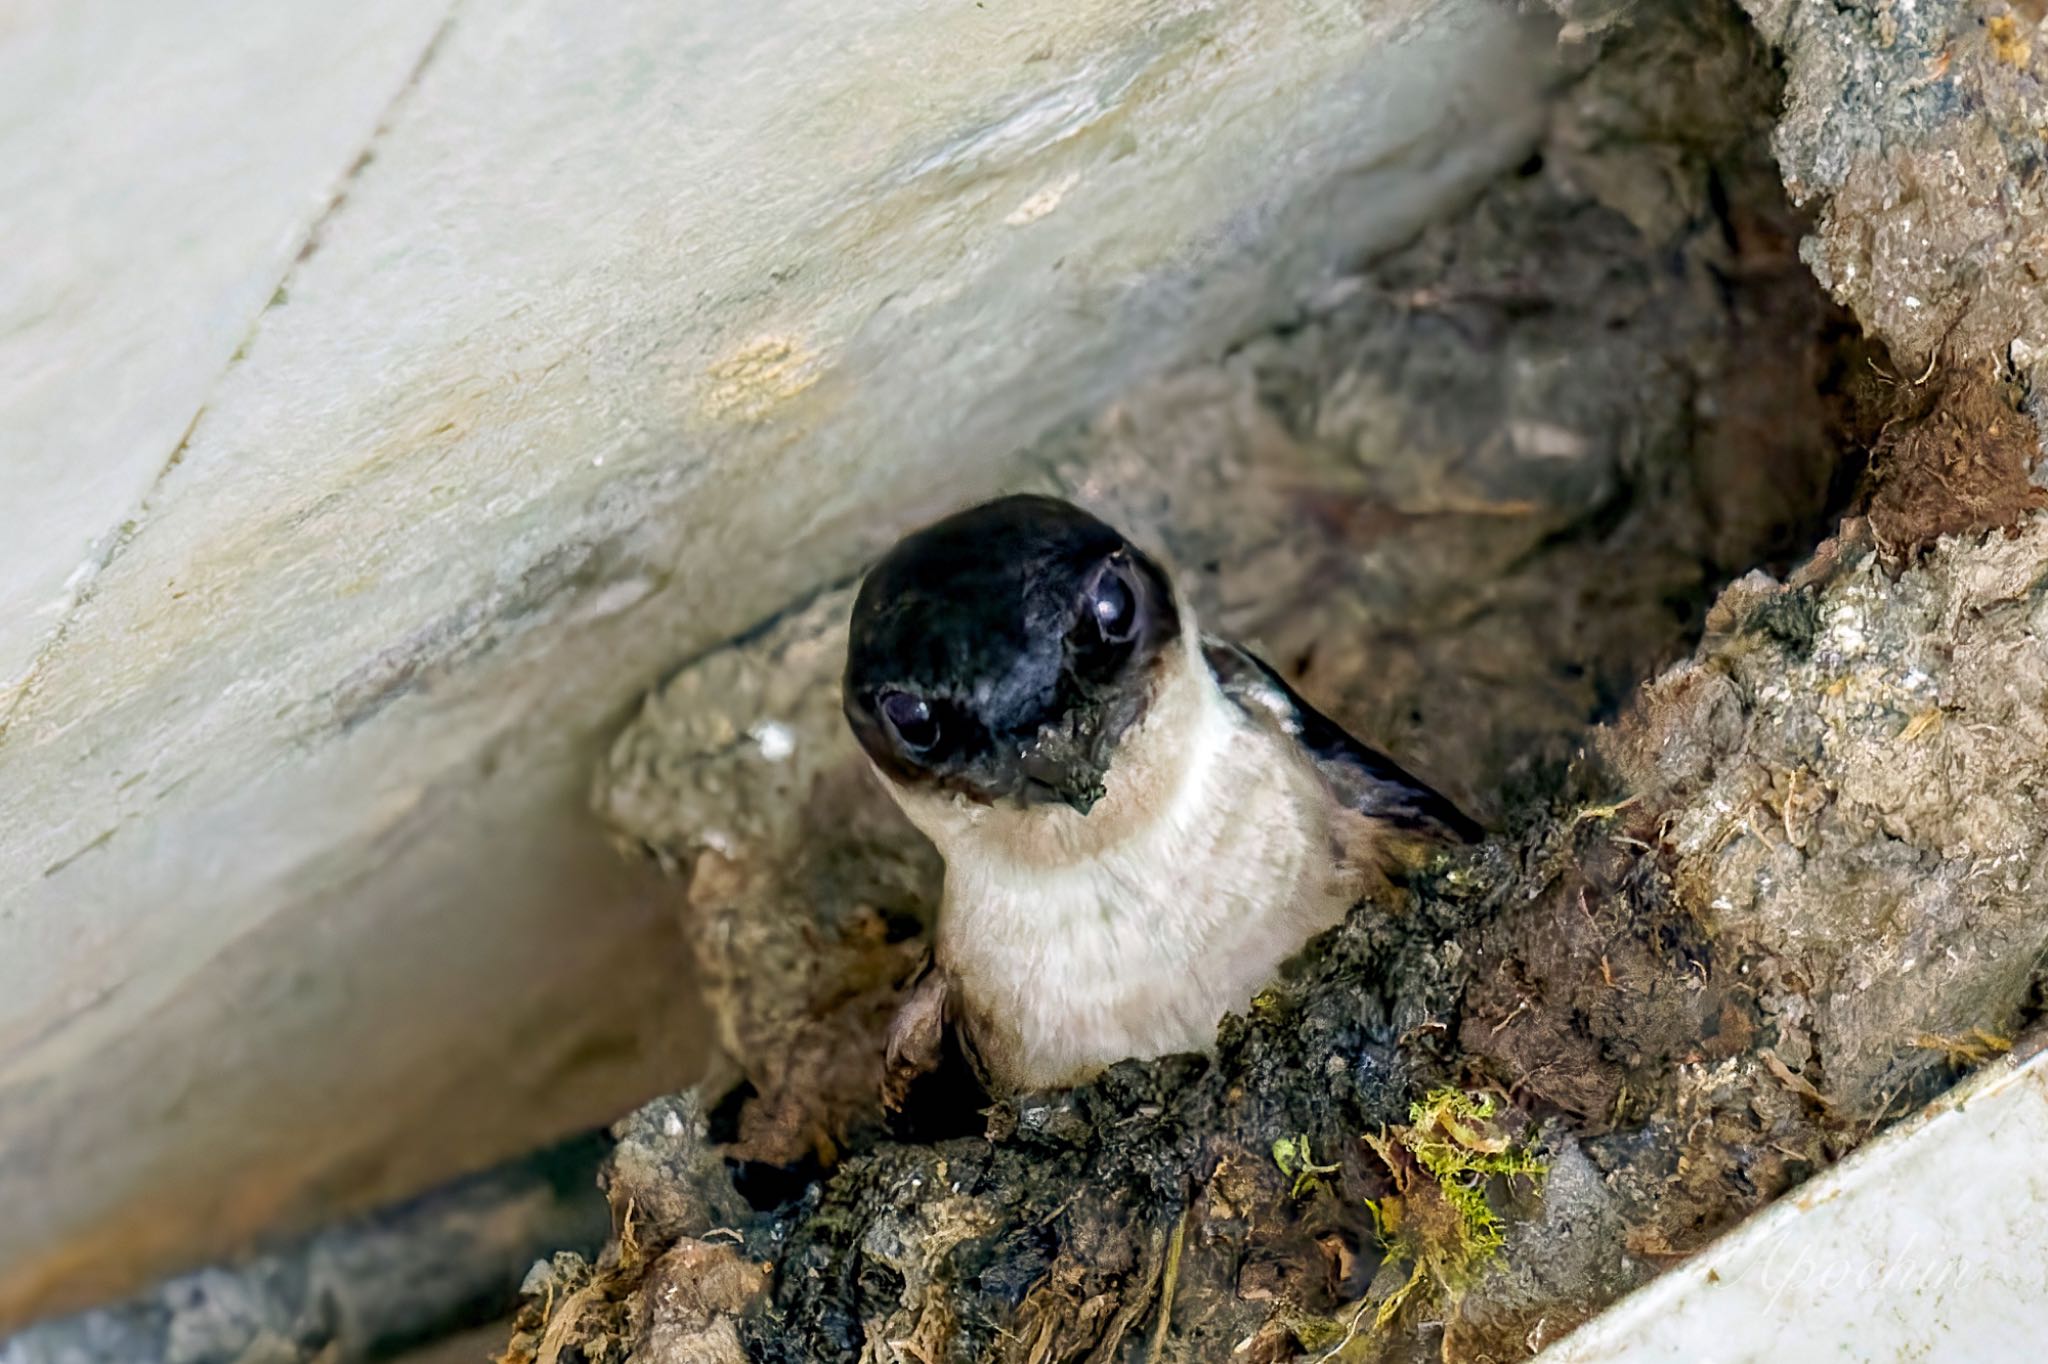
[1438,1218]
[1454,1138]
[1293,1157]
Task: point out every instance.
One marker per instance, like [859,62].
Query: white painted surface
[160,166]
[1929,1244]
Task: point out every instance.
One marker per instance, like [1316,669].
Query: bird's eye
[916,728]
[1113,605]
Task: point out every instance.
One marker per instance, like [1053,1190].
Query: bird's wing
[1364,781]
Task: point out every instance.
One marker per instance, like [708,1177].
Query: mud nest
[1772,900]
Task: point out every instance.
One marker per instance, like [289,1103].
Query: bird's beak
[1076,784]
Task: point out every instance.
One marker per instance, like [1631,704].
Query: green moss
[1317,1333]
[1293,1157]
[1439,1219]
[1454,1139]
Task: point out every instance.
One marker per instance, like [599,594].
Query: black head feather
[1003,651]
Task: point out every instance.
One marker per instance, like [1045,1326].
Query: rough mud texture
[1915,131]
[807,894]
[665,1281]
[1963,463]
[1471,499]
[1914,126]
[1860,801]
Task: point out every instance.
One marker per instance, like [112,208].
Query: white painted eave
[1931,1243]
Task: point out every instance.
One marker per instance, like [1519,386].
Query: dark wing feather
[1366,781]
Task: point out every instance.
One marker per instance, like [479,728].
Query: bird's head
[1001,654]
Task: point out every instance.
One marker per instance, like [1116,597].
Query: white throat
[1076,941]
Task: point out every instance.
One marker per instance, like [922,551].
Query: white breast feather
[1222,868]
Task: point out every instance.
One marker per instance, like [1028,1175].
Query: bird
[1140,823]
